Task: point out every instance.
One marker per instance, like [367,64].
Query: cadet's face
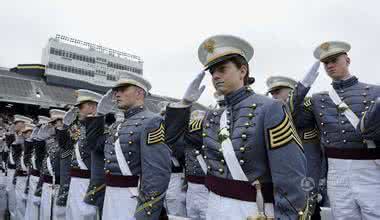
[19,126]
[126,97]
[58,123]
[227,78]
[337,68]
[27,134]
[87,108]
[281,94]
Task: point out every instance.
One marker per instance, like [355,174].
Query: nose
[215,75]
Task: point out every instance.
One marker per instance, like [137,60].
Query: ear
[348,60]
[243,71]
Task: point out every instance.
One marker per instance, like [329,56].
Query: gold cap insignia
[209,45]
[325,46]
[76,94]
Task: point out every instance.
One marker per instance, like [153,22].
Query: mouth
[219,84]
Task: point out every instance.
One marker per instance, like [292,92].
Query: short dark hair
[239,61]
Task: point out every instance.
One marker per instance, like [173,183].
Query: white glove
[44,132]
[106,103]
[311,75]
[60,210]
[70,116]
[194,91]
[36,200]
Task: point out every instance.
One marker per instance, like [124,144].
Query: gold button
[241,161]
[204,135]
[108,161]
[205,157]
[148,213]
[197,152]
[244,136]
[220,170]
[220,149]
[253,106]
[242,149]
[208,167]
[222,161]
[321,114]
[322,124]
[343,131]
[250,115]
[130,142]
[108,171]
[129,153]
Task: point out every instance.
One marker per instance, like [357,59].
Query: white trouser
[76,207]
[32,210]
[3,193]
[11,193]
[20,196]
[353,187]
[223,208]
[48,197]
[196,201]
[175,200]
[119,204]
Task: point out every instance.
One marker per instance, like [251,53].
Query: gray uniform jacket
[338,137]
[141,136]
[265,143]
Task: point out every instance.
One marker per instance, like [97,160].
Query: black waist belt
[240,190]
[121,181]
[353,154]
[177,169]
[196,179]
[11,166]
[47,179]
[21,173]
[34,172]
[76,172]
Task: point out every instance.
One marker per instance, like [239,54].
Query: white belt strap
[81,164]
[34,162]
[23,167]
[202,162]
[228,151]
[11,157]
[50,169]
[350,115]
[124,168]
[175,162]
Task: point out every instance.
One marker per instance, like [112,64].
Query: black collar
[237,96]
[342,84]
[132,111]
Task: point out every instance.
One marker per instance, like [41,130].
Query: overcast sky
[166,34]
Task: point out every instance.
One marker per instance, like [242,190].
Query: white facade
[74,59]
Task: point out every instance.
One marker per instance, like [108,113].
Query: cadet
[175,199]
[196,170]
[75,143]
[32,211]
[254,156]
[19,178]
[49,179]
[281,87]
[137,161]
[353,171]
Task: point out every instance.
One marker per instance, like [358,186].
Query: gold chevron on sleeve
[307,103]
[195,125]
[308,135]
[283,133]
[157,135]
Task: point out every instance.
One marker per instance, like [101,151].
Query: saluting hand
[311,75]
[194,91]
[106,103]
[70,116]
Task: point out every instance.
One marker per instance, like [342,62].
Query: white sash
[81,164]
[23,167]
[350,115]
[175,162]
[34,162]
[123,165]
[228,151]
[202,162]
[50,169]
[11,157]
